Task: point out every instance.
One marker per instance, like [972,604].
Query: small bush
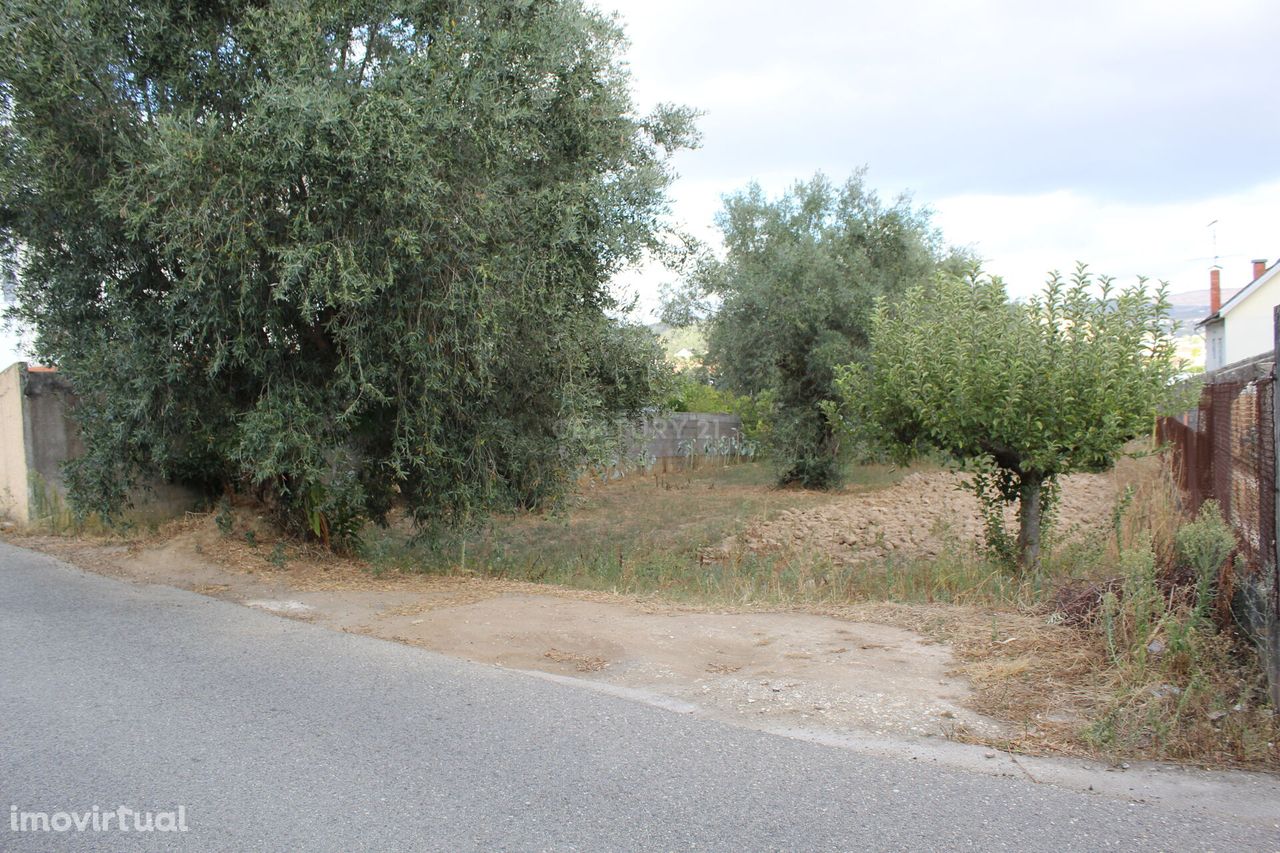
[1180,688]
[225,519]
[1204,546]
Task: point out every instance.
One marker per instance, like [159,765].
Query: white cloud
[1100,131]
[1128,100]
[1024,237]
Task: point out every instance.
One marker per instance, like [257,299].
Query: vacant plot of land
[772,669]
[860,612]
[683,510]
[640,533]
[652,535]
[921,516]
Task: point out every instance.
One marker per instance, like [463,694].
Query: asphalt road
[278,735]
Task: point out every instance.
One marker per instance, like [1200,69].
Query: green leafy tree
[1025,392]
[793,298]
[332,253]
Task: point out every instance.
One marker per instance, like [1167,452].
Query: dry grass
[639,534]
[1060,685]
[1063,695]
[1033,660]
[582,663]
[1149,678]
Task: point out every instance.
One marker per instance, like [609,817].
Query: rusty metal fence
[1226,450]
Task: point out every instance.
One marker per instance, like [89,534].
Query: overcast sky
[1040,133]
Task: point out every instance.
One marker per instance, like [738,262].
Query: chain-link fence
[1226,450]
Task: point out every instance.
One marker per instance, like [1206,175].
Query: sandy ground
[861,686]
[789,669]
[918,517]
[780,669]
[782,666]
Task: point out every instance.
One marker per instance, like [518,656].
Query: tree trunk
[1029,511]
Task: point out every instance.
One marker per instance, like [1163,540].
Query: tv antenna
[1213,237]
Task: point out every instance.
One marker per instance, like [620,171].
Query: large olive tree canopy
[792,298]
[330,251]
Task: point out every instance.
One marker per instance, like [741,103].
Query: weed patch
[1113,648]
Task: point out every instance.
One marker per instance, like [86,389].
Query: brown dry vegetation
[1034,649]
[1040,653]
[925,515]
[1062,694]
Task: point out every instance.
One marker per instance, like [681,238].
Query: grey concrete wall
[38,434]
[691,433]
[52,435]
[674,442]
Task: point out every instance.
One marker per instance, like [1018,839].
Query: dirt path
[917,517]
[779,666]
[862,686]
[790,669]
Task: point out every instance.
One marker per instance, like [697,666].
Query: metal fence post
[1271,628]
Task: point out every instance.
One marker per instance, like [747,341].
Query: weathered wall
[52,437]
[1215,345]
[686,434]
[38,434]
[13,446]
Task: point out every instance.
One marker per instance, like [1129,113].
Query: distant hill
[1187,309]
[1192,306]
[683,343]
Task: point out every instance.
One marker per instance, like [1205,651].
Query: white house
[1242,327]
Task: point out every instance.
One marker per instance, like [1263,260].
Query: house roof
[1243,294]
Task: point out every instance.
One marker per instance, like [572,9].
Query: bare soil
[920,516]
[859,669]
[791,669]
[844,677]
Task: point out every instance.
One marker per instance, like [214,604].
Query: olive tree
[792,299]
[1025,392]
[334,253]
